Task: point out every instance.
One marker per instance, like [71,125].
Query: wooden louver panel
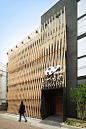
[28,62]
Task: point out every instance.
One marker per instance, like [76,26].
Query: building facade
[2,87]
[71,54]
[43,67]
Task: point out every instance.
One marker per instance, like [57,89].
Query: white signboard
[51,79]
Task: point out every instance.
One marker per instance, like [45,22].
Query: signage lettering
[50,80]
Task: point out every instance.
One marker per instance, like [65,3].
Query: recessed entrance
[59,104]
[56,101]
[52,103]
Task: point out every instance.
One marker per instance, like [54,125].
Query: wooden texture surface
[29,60]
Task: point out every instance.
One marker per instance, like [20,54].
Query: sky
[18,18]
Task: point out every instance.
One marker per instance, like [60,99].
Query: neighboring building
[2,87]
[81,40]
[53,47]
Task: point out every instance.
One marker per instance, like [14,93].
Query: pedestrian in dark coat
[21,111]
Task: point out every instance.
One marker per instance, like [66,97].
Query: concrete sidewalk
[35,123]
[10,121]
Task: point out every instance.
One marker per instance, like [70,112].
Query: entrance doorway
[59,105]
[56,102]
[53,104]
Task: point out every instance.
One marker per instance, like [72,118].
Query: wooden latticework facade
[28,62]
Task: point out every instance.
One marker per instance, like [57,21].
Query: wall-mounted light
[11,50]
[37,32]
[8,53]
[22,42]
[57,16]
[17,46]
[46,25]
[28,37]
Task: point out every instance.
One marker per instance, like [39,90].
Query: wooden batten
[45,47]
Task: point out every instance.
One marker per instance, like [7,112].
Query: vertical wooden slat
[26,70]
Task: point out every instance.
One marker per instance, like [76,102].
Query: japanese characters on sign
[53,77]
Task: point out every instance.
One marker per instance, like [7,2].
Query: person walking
[21,111]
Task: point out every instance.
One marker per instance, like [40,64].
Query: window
[81,47]
[82,67]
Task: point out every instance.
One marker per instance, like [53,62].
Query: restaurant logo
[53,77]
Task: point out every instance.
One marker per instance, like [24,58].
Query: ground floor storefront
[54,103]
